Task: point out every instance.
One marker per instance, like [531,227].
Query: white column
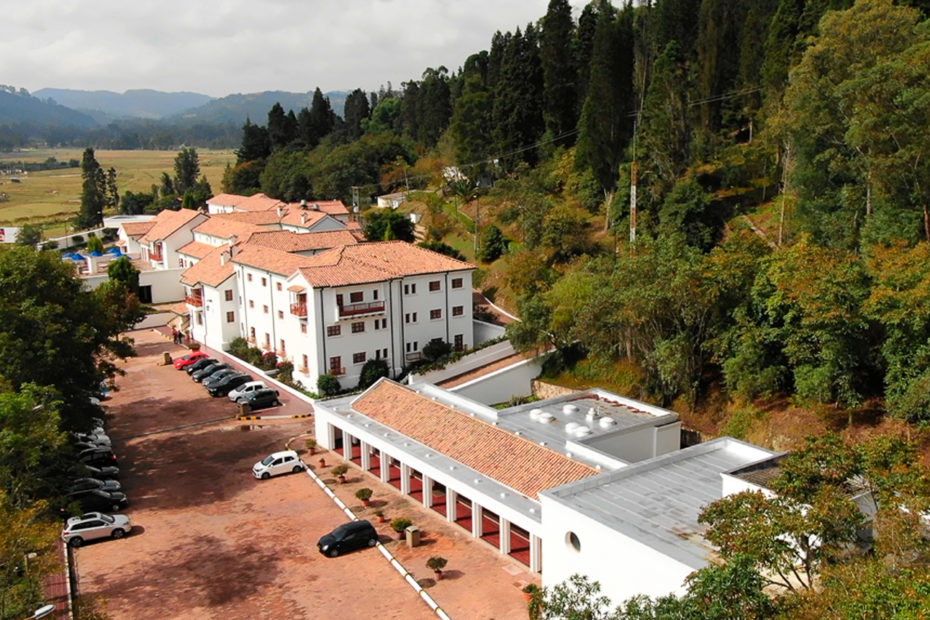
[385,464]
[477,519]
[451,505]
[347,446]
[366,455]
[427,491]
[405,479]
[505,536]
[535,553]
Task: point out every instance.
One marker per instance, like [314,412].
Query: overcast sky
[238,46]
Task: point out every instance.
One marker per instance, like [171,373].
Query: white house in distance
[590,483]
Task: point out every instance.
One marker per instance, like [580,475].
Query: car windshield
[107,518]
[268,459]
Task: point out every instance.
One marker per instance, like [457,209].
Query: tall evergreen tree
[186,170]
[406,121]
[282,128]
[584,48]
[434,105]
[559,72]
[256,144]
[517,111]
[606,120]
[471,117]
[322,117]
[93,191]
[356,111]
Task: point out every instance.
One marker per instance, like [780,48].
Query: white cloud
[293,45]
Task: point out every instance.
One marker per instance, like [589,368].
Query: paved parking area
[211,541]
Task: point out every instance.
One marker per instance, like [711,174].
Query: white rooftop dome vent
[582,431]
[545,418]
[591,415]
[569,409]
[535,413]
[607,422]
[571,427]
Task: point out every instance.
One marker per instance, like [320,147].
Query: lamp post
[477,215]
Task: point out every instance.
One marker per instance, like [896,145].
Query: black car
[228,384]
[200,364]
[86,484]
[348,536]
[97,457]
[205,372]
[259,399]
[106,472]
[97,500]
[218,376]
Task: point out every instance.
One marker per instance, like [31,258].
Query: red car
[189,359]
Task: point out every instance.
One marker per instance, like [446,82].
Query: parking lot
[211,541]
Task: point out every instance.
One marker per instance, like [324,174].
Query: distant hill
[20,107]
[105,105]
[236,108]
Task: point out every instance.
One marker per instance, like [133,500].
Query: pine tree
[282,128]
[186,170]
[517,111]
[322,117]
[434,105]
[255,143]
[93,192]
[356,111]
[559,72]
[471,117]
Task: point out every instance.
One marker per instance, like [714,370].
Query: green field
[52,197]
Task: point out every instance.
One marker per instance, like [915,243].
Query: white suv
[278,463]
[246,388]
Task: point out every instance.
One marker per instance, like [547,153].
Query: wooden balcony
[371,307]
[157,258]
[299,310]
[195,300]
[337,372]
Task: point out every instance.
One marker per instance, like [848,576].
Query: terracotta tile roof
[179,309]
[298,217]
[330,207]
[137,229]
[197,249]
[225,226]
[259,202]
[168,222]
[210,271]
[374,262]
[226,200]
[269,259]
[517,462]
[290,241]
[259,218]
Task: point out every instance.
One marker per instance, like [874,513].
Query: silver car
[94,525]
[246,388]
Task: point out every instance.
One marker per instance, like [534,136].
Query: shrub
[400,524]
[371,372]
[286,372]
[436,349]
[239,347]
[436,563]
[364,494]
[268,360]
[339,470]
[328,385]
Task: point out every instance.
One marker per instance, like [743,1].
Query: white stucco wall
[502,385]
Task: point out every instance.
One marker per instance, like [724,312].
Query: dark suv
[259,399]
[348,536]
[200,364]
[205,373]
[96,499]
[227,384]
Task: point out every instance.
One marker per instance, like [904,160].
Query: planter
[381,518]
[366,502]
[341,478]
[322,462]
[438,574]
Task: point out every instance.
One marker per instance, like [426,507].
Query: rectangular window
[412,347]
[335,365]
[265,308]
[339,299]
[435,314]
[303,328]
[228,294]
[248,277]
[358,358]
[456,282]
[199,316]
[278,285]
[251,304]
[230,317]
[384,353]
[374,294]
[180,262]
[358,327]
[305,361]
[283,349]
[280,314]
[458,310]
[334,330]
[356,297]
[264,281]
[434,286]
[410,289]
[459,342]
[267,341]
[383,323]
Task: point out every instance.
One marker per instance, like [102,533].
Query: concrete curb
[410,579]
[275,417]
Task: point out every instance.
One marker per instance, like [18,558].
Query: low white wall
[467,363]
[487,331]
[502,385]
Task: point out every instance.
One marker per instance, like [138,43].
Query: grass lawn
[52,197]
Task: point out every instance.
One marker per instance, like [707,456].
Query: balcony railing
[299,309]
[336,372]
[155,257]
[193,301]
[371,307]
[412,357]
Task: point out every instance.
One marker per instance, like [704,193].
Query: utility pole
[477,216]
[355,199]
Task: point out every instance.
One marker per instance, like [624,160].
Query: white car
[94,525]
[278,463]
[246,388]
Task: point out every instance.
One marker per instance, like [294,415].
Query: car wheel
[277,403]
[333,552]
[297,468]
[372,542]
[266,476]
[77,541]
[117,534]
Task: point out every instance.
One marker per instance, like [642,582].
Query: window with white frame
[435,314]
[358,358]
[434,285]
[458,310]
[358,327]
[334,330]
[456,282]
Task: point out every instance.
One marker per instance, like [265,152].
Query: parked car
[259,399]
[190,358]
[93,526]
[218,376]
[203,373]
[348,536]
[277,463]
[86,484]
[95,499]
[97,457]
[245,388]
[228,383]
[201,364]
[97,438]
[106,472]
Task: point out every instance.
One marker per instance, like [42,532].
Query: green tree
[471,117]
[29,235]
[112,191]
[288,176]
[357,111]
[557,59]
[388,225]
[322,119]
[282,129]
[94,244]
[493,244]
[186,170]
[93,194]
[442,248]
[26,530]
[29,437]
[122,270]
[256,144]
[328,385]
